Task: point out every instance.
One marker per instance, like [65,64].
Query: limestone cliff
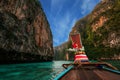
[100,30]
[59,51]
[25,33]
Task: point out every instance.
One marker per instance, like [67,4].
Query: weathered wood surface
[91,64]
[90,74]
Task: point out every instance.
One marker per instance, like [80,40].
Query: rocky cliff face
[60,51]
[25,30]
[100,30]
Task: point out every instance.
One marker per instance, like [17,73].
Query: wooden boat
[82,70]
[89,71]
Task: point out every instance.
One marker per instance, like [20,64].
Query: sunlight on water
[31,71]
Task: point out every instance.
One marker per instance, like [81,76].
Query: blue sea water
[32,71]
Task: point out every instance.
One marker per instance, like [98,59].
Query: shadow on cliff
[10,57]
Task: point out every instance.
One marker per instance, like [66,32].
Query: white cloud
[87,6]
[56,4]
[63,26]
[77,2]
[56,41]
[84,6]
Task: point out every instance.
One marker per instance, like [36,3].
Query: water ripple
[31,71]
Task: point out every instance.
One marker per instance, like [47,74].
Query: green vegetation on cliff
[100,31]
[98,43]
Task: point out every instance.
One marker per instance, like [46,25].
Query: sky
[63,14]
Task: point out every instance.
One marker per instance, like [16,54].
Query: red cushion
[81,57]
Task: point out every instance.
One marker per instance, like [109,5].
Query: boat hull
[93,71]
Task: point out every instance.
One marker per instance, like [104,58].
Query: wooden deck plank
[107,75]
[71,75]
[90,74]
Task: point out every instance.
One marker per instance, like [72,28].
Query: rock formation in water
[25,33]
[100,30]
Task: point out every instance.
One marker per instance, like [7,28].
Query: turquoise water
[31,71]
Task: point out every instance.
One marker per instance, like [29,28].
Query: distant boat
[83,69]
